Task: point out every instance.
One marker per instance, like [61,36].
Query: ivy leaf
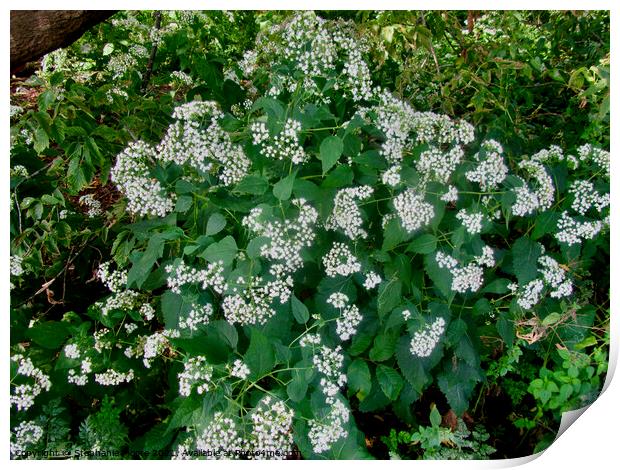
[390,381]
[259,357]
[283,188]
[330,151]
[299,310]
[359,379]
[215,224]
[525,254]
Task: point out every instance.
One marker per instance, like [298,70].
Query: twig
[149,67]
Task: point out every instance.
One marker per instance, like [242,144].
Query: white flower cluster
[15,263]
[490,169]
[435,165]
[350,318]
[93,205]
[102,340]
[391,176]
[586,197]
[23,395]
[286,239]
[425,340]
[573,232]
[346,216]
[180,274]
[372,280]
[19,170]
[340,261]
[541,198]
[145,195]
[530,294]
[600,157]
[153,346]
[413,212]
[329,362]
[198,315]
[147,312]
[181,77]
[124,300]
[114,280]
[80,379]
[272,425]
[240,369]
[197,140]
[260,133]
[197,372]
[248,63]
[220,434]
[24,435]
[285,145]
[469,277]
[72,351]
[329,430]
[310,339]
[113,377]
[472,221]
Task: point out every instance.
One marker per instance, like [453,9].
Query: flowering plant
[319,247]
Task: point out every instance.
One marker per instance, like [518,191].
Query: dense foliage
[328,235]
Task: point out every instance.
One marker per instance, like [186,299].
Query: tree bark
[34,33]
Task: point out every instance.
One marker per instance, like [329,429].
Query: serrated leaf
[383,347]
[330,151]
[390,381]
[298,386]
[545,223]
[389,296]
[49,335]
[457,381]
[215,224]
[525,253]
[411,367]
[496,286]
[359,379]
[299,310]
[551,319]
[424,244]
[442,279]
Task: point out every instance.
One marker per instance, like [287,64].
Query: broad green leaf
[435,417]
[252,184]
[142,267]
[424,244]
[215,224]
[330,151]
[410,366]
[496,286]
[389,296]
[525,253]
[283,188]
[457,381]
[299,310]
[551,319]
[383,347]
[49,335]
[390,381]
[544,224]
[224,250]
[359,379]
[259,357]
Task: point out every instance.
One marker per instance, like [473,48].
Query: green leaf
[254,246]
[457,381]
[108,49]
[330,151]
[183,203]
[256,185]
[551,319]
[390,381]
[393,234]
[496,286]
[442,279]
[283,188]
[525,254]
[49,335]
[298,386]
[224,250]
[41,140]
[259,357]
[435,417]
[300,311]
[215,224]
[389,296]
[383,347]
[359,379]
[173,307]
[142,267]
[411,367]
[544,224]
[424,244]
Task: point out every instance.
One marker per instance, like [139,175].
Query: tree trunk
[34,33]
